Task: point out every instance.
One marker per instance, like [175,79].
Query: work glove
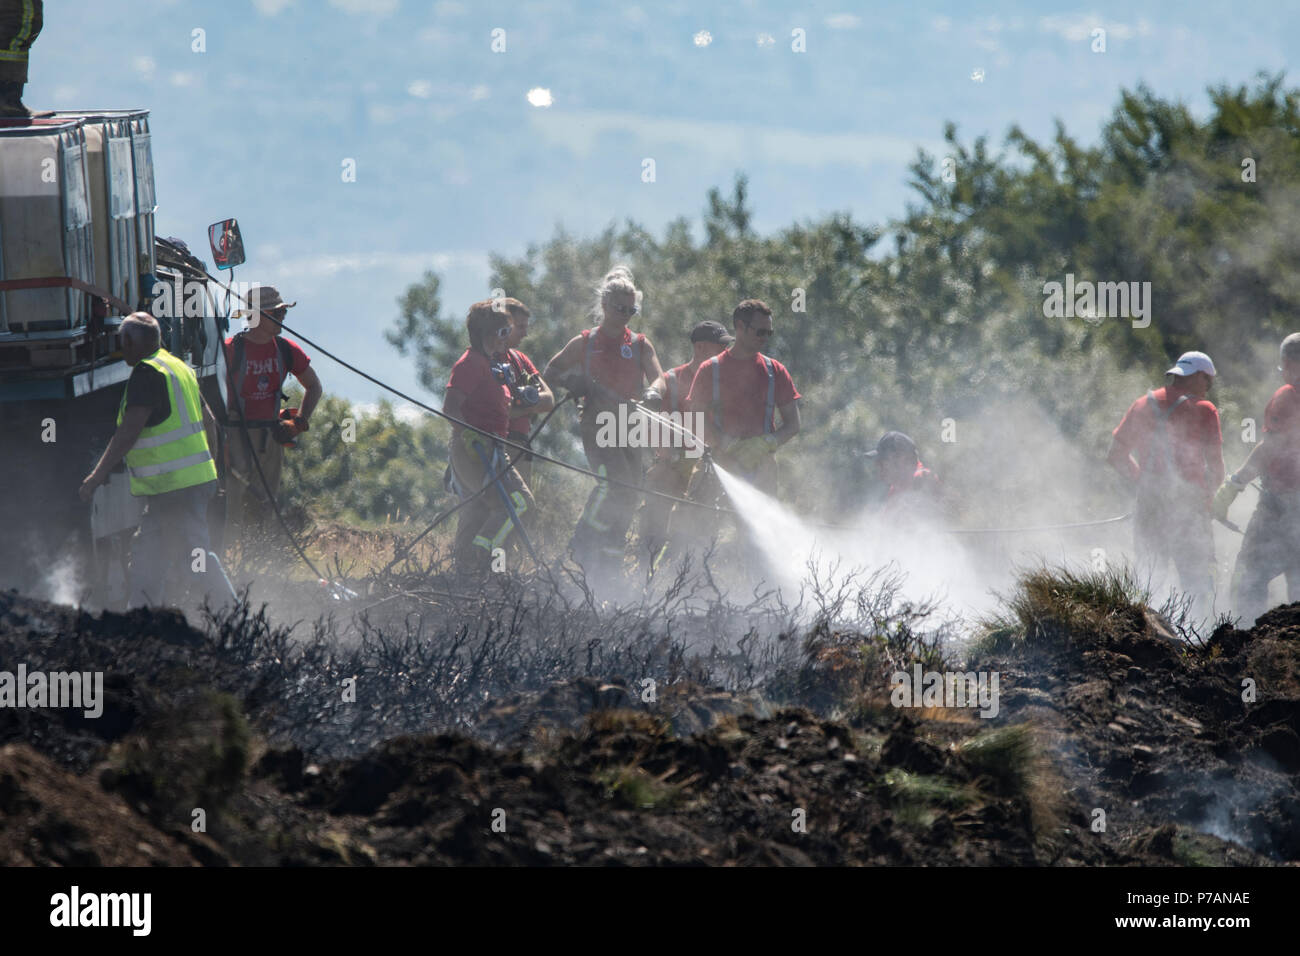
[294,418]
[289,427]
[473,441]
[1225,496]
[750,453]
[652,400]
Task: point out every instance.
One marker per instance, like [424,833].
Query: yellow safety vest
[173,454]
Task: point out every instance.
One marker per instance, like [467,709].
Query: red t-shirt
[1193,432]
[487,401]
[1282,420]
[923,481]
[263,376]
[679,381]
[917,498]
[743,392]
[615,363]
[523,368]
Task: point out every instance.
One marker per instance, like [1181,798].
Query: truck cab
[78,253]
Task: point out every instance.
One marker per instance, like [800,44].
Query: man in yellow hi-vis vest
[163,428]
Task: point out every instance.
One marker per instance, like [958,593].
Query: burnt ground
[1148,729]
[590,770]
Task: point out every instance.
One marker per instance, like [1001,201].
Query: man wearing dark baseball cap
[1272,542]
[670,473]
[913,489]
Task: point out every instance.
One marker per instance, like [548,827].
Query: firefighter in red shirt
[526,375]
[740,392]
[914,493]
[479,394]
[258,362]
[1174,433]
[1272,542]
[608,366]
[671,471]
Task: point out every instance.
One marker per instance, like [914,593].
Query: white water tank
[45,218]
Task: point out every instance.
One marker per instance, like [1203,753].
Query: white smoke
[935,565]
[62,584]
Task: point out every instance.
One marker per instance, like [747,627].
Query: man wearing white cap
[1173,433]
[1272,542]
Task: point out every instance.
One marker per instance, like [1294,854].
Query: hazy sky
[453,162]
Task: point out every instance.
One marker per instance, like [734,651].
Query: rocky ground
[1128,721]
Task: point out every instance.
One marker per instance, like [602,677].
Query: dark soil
[602,771]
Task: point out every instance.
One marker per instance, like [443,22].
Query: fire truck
[78,253]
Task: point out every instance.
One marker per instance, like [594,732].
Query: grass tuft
[1051,607]
[635,788]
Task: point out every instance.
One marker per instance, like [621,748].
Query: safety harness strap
[1161,433]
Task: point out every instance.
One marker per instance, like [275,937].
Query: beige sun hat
[265,298]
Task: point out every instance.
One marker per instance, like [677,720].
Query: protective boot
[11,100]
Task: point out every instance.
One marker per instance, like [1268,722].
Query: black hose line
[523,449]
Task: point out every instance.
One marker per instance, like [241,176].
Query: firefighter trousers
[1270,547]
[601,536]
[669,476]
[1174,525]
[20,22]
[248,508]
[484,524]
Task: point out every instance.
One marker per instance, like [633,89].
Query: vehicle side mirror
[227,244]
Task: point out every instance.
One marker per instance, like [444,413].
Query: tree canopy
[935,323]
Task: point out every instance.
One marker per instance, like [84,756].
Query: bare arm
[564,360]
[133,422]
[546,398]
[790,422]
[311,382]
[650,364]
[1270,446]
[1122,461]
[1214,461]
[1255,462]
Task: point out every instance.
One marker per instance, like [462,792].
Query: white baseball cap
[1189,363]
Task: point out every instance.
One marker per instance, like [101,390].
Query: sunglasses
[626,309]
[761,333]
[503,331]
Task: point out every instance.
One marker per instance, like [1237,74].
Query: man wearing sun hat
[258,361]
[1169,445]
